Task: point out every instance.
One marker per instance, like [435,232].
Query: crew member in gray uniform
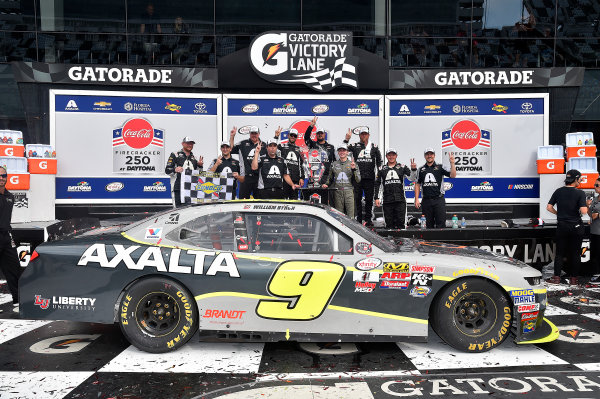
[343,175]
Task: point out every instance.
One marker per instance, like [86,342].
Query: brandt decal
[319,60]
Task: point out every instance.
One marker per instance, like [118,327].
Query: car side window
[212,231]
[293,233]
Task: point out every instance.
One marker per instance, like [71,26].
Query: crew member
[272,172]
[431,177]
[9,260]
[389,189]
[342,174]
[570,205]
[292,155]
[225,164]
[368,159]
[327,152]
[245,149]
[594,213]
[178,163]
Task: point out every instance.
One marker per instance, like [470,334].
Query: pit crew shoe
[16,308]
[553,280]
[573,281]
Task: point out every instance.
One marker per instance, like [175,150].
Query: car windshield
[361,230]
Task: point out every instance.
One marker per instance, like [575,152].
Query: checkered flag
[198,186]
[21,200]
[343,73]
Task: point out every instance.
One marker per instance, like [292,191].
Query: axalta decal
[173,260]
[475,271]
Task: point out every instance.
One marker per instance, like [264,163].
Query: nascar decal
[368,264]
[363,248]
[168,261]
[138,147]
[471,145]
[522,296]
[319,60]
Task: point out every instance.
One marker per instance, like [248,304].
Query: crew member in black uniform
[9,260]
[368,158]
[292,155]
[225,164]
[431,177]
[245,151]
[389,189]
[571,205]
[272,172]
[177,163]
[328,156]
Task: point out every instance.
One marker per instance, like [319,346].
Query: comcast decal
[320,60]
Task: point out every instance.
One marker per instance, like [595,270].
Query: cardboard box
[18,181]
[550,166]
[12,150]
[42,166]
[581,151]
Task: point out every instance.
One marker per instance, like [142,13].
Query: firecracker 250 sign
[471,145]
[320,60]
[138,147]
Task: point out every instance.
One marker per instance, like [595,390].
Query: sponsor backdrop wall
[336,114]
[113,146]
[494,139]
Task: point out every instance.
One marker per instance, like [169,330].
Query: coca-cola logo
[138,133]
[465,134]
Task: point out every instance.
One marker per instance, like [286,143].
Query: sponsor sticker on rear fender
[368,264]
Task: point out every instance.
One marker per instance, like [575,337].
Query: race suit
[341,177]
[368,159]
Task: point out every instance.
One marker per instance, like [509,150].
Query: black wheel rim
[475,314]
[158,313]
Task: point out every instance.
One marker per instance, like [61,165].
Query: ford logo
[114,186]
[249,108]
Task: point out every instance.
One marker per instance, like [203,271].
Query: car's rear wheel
[158,315]
[472,315]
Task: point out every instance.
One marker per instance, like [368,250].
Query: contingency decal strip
[548,338]
[330,307]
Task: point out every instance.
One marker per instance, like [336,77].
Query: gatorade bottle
[423,222]
[454,222]
[463,223]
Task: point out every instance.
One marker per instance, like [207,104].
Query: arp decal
[368,264]
[63,344]
[363,248]
[152,257]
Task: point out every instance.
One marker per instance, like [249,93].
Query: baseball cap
[320,131]
[293,131]
[572,175]
[429,149]
[254,129]
[272,141]
[225,143]
[365,129]
[342,147]
[188,139]
[390,150]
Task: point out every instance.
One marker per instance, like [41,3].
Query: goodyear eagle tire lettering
[472,315]
[158,315]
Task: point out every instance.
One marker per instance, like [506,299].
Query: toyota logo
[200,106]
[526,106]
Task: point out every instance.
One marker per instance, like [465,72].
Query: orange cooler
[550,166]
[19,181]
[588,179]
[9,150]
[581,151]
[42,166]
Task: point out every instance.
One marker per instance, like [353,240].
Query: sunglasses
[595,185]
[4,176]
[293,135]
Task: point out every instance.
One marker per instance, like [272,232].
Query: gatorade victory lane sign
[320,60]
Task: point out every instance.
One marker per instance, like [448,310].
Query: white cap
[225,143]
[293,131]
[272,141]
[342,147]
[429,149]
[188,139]
[254,129]
[390,150]
[364,129]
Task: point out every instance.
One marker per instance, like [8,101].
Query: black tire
[472,315]
[158,315]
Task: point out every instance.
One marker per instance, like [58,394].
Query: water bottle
[423,222]
[463,223]
[454,222]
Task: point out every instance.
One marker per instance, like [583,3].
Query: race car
[281,270]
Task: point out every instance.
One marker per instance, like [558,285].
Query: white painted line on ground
[193,357]
[552,310]
[335,375]
[588,366]
[40,385]
[342,390]
[595,316]
[12,328]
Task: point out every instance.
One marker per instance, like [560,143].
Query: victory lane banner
[199,186]
[319,60]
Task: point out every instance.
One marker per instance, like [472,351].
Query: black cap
[572,175]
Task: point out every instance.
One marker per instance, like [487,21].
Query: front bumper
[546,332]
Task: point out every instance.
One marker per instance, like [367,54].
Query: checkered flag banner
[21,200]
[199,186]
[343,73]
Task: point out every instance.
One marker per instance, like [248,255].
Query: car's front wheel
[158,315]
[472,315]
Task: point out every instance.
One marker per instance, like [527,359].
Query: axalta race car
[281,270]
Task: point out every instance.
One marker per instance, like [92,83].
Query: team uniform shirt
[367,158]
[389,185]
[270,172]
[245,151]
[228,165]
[431,179]
[569,200]
[326,149]
[180,159]
[7,201]
[294,160]
[595,208]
